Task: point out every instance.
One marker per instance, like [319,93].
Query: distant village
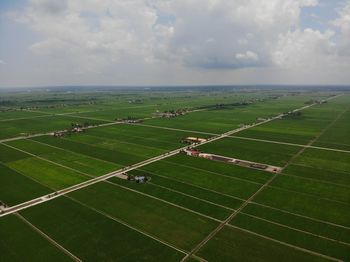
[75,128]
[171,113]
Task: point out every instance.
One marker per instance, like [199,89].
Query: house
[77,129]
[59,133]
[191,152]
[140,179]
[190,140]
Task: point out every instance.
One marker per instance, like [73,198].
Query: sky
[174,42]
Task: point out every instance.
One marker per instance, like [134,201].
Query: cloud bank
[186,41]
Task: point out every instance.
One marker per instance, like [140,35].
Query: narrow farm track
[109,123]
[22,118]
[251,198]
[192,253]
[247,138]
[95,180]
[53,242]
[288,245]
[295,229]
[224,223]
[315,139]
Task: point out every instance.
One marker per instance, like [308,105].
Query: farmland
[70,164]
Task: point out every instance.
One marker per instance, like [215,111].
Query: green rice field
[121,188]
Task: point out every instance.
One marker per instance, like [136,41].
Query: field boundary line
[23,118]
[245,203]
[135,166]
[226,221]
[120,221]
[50,161]
[214,173]
[194,197]
[296,229]
[110,122]
[287,244]
[176,129]
[164,201]
[310,195]
[244,138]
[313,140]
[128,143]
[299,215]
[316,180]
[69,151]
[130,189]
[87,118]
[193,185]
[252,202]
[48,238]
[289,144]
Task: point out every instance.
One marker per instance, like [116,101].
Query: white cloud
[305,48]
[343,23]
[179,40]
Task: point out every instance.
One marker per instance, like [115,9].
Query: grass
[337,136]
[317,188]
[320,173]
[25,127]
[8,154]
[202,178]
[327,160]
[290,236]
[232,244]
[93,236]
[176,198]
[273,154]
[222,168]
[16,188]
[19,242]
[300,129]
[113,156]
[142,135]
[171,224]
[298,222]
[228,119]
[14,114]
[47,174]
[83,163]
[311,206]
[192,190]
[186,195]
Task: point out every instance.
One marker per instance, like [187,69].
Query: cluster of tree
[225,106]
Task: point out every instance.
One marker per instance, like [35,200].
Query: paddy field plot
[23,127]
[309,125]
[92,235]
[244,246]
[221,120]
[256,151]
[299,214]
[19,241]
[10,115]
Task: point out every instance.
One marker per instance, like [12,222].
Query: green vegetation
[174,225]
[233,243]
[47,174]
[16,188]
[19,242]
[294,237]
[72,224]
[307,205]
[301,215]
[266,153]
